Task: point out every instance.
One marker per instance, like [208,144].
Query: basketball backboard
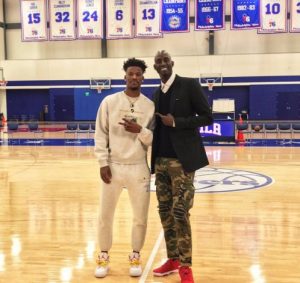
[2,79]
[100,84]
[211,80]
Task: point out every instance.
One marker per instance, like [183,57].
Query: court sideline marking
[152,256]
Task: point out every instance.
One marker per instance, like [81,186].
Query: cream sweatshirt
[112,142]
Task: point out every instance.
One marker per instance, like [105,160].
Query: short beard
[134,88]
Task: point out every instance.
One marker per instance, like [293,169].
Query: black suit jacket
[191,110]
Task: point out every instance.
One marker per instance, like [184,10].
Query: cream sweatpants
[136,179]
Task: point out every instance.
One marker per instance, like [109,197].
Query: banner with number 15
[33,20]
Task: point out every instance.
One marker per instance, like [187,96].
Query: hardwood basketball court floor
[245,219]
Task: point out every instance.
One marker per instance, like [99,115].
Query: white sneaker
[103,267]
[135,268]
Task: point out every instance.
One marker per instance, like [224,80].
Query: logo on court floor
[217,180]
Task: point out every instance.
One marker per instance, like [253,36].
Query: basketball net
[99,89]
[210,86]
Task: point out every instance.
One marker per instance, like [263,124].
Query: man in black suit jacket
[177,152]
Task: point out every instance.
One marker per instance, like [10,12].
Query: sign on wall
[57,20]
[274,16]
[89,19]
[294,16]
[62,19]
[220,130]
[119,19]
[147,18]
[175,16]
[34,20]
[245,14]
[209,14]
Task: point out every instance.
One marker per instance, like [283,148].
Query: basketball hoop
[210,86]
[211,80]
[100,84]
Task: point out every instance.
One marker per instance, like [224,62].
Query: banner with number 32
[62,19]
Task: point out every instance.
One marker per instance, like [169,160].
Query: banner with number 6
[119,19]
[62,20]
[89,19]
[147,18]
[34,20]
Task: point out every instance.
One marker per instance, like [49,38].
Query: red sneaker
[186,274]
[170,266]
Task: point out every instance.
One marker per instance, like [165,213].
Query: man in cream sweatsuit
[124,126]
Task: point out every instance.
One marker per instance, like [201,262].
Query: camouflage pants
[175,195]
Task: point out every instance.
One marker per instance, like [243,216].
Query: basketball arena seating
[12,128]
[92,129]
[83,128]
[257,128]
[289,130]
[270,128]
[295,130]
[71,129]
[33,127]
[284,130]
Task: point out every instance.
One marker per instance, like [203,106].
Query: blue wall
[29,102]
[87,102]
[274,102]
[263,102]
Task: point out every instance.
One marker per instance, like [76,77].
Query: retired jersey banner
[175,16]
[274,16]
[119,19]
[147,18]
[89,19]
[245,14]
[62,20]
[209,14]
[294,16]
[34,20]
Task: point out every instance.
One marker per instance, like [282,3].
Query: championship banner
[119,19]
[175,16]
[34,20]
[245,14]
[62,20]
[147,18]
[274,16]
[209,14]
[294,16]
[89,19]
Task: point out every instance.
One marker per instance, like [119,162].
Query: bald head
[162,53]
[163,64]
